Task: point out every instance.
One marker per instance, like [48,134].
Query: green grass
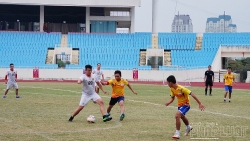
[43,111]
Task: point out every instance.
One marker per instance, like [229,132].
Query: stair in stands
[198,44]
[155,41]
[143,58]
[64,40]
[49,57]
[75,57]
[167,58]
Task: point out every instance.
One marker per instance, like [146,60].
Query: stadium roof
[84,3]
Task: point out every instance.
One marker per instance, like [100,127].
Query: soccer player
[118,92]
[209,79]
[182,94]
[100,76]
[88,93]
[10,80]
[229,79]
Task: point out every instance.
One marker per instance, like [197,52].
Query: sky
[199,11]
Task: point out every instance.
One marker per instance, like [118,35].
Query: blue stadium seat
[26,49]
[111,50]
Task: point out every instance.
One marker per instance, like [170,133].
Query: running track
[245,86]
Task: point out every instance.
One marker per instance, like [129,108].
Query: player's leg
[9,85]
[16,87]
[112,103]
[230,93]
[210,86]
[184,110]
[206,84]
[99,101]
[122,109]
[225,95]
[84,101]
[178,124]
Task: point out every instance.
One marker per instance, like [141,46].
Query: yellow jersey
[229,78]
[117,87]
[182,94]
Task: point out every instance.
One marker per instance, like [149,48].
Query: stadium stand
[183,53]
[105,48]
[27,49]
[114,50]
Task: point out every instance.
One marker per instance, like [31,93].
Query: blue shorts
[113,101]
[228,88]
[184,109]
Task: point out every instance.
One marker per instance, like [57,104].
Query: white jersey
[88,84]
[11,76]
[98,74]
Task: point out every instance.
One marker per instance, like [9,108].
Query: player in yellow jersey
[182,94]
[229,82]
[118,92]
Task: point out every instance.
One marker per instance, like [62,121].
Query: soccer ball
[91,119]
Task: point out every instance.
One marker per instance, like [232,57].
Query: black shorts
[113,101]
[209,83]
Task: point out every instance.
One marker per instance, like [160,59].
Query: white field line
[118,124]
[156,104]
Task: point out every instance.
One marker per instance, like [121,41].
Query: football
[91,119]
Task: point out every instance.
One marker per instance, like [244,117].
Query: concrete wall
[216,65]
[144,75]
[248,77]
[90,3]
[109,18]
[232,51]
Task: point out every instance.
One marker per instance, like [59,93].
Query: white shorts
[86,98]
[12,85]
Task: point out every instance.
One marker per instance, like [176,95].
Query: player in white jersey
[100,76]
[88,93]
[10,80]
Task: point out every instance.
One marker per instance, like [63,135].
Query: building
[182,23]
[68,16]
[221,24]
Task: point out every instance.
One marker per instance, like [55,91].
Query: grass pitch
[43,111]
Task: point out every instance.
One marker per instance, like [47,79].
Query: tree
[240,66]
[160,61]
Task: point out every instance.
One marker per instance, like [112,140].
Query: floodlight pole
[154,59]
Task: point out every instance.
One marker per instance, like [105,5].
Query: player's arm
[234,80]
[201,106]
[131,89]
[102,76]
[79,81]
[224,79]
[172,98]
[16,76]
[205,77]
[110,82]
[170,101]
[100,86]
[6,79]
[213,77]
